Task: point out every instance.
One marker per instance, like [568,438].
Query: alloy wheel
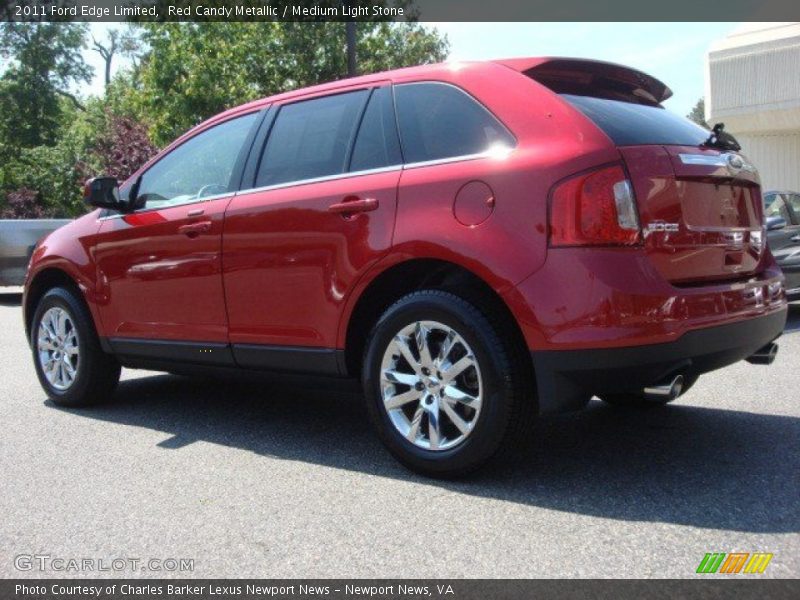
[58,348]
[431,385]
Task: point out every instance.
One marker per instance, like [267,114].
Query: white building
[753,86]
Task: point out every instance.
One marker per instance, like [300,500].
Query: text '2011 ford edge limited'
[478,242]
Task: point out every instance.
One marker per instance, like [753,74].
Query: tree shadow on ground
[688,465]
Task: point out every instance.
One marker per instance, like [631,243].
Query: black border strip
[167,354]
[401,10]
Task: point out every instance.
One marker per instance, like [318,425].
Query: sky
[675,53]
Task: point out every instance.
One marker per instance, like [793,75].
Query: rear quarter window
[629,124]
[439,121]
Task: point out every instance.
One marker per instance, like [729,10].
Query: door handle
[194,229]
[357,205]
[796,238]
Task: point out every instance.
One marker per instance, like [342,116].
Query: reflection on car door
[321,211]
[160,268]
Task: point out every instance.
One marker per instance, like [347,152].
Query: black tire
[508,402]
[96,373]
[637,400]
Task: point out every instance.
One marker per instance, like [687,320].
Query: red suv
[478,242]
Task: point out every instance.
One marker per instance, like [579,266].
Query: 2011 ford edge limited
[478,242]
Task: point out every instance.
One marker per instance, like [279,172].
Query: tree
[121,147]
[183,73]
[37,155]
[125,43]
[195,70]
[45,61]
[698,113]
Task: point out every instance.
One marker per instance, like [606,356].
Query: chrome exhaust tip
[665,391]
[765,356]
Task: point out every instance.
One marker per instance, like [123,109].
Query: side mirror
[775,223]
[103,192]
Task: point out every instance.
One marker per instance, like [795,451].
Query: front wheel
[70,365]
[443,385]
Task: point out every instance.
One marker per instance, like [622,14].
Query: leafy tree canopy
[51,138]
[44,61]
[195,70]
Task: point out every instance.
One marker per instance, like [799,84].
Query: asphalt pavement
[284,478]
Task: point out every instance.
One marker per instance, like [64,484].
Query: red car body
[273,279]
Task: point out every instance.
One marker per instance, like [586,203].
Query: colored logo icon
[734,562]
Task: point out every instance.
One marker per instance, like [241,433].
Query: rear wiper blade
[721,139]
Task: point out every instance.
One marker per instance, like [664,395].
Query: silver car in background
[18,238]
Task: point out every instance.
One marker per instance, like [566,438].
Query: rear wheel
[441,385]
[70,365]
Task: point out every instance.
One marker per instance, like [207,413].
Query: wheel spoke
[455,418]
[434,427]
[45,344]
[454,370]
[61,324]
[68,368]
[447,346]
[401,345]
[415,423]
[50,326]
[49,366]
[451,392]
[421,338]
[397,377]
[402,399]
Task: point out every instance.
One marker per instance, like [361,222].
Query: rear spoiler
[592,78]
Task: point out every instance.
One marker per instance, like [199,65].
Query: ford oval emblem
[734,162]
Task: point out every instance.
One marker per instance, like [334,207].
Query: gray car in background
[782,212]
[18,238]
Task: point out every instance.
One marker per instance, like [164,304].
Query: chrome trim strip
[452,159]
[704,159]
[287,184]
[427,163]
[147,210]
[731,161]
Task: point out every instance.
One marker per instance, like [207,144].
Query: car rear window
[629,124]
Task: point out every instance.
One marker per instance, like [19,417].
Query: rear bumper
[565,378]
[605,320]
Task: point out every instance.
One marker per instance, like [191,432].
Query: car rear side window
[311,139]
[629,124]
[439,121]
[376,144]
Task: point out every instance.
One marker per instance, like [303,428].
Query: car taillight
[594,208]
